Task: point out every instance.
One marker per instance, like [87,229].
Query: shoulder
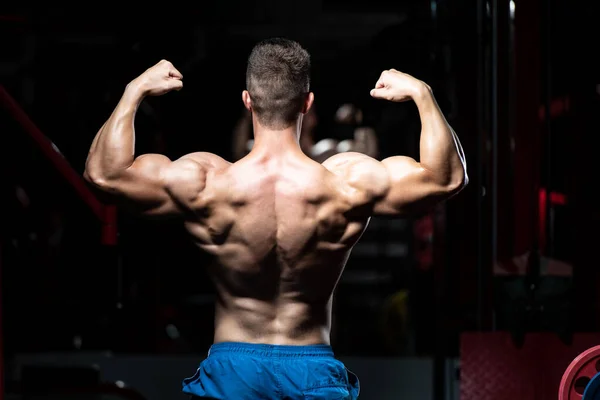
[342,162]
[197,164]
[204,159]
[193,169]
[363,175]
[353,165]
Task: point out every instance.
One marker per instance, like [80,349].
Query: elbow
[88,176]
[458,181]
[91,173]
[96,179]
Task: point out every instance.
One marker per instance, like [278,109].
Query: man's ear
[310,98]
[247,100]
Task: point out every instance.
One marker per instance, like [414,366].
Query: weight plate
[579,374]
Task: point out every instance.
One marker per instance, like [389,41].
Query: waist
[254,322]
[272,350]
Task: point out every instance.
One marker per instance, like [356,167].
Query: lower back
[279,322]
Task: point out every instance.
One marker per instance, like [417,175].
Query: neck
[282,140]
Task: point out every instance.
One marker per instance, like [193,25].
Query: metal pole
[480,158]
[547,59]
[481,128]
[2,369]
[494,131]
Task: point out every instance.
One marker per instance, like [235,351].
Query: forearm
[440,150]
[112,150]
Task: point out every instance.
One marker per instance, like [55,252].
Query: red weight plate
[578,374]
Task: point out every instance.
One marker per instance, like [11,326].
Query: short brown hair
[278,80]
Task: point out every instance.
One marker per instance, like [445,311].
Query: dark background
[520,90]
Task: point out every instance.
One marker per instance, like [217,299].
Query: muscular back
[279,225]
[280,230]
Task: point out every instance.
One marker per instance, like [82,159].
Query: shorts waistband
[272,350]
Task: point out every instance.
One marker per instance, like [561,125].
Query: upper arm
[156,186]
[395,186]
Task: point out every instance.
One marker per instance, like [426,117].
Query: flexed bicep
[396,186]
[155,186]
[412,189]
[142,187]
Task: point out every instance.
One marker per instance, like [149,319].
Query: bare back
[279,225]
[281,234]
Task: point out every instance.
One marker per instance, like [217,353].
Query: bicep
[141,188]
[393,187]
[411,188]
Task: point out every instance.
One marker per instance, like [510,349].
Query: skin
[242,133]
[279,225]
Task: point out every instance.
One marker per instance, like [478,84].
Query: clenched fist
[397,86]
[159,79]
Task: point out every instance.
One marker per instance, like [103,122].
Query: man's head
[278,83]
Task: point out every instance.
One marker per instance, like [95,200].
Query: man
[280,226]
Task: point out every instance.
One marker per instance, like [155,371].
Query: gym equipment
[581,379]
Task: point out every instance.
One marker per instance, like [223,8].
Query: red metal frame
[1,336]
[106,214]
[558,107]
[556,198]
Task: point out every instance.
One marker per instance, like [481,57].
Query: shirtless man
[280,225]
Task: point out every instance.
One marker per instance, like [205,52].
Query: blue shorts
[239,371]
